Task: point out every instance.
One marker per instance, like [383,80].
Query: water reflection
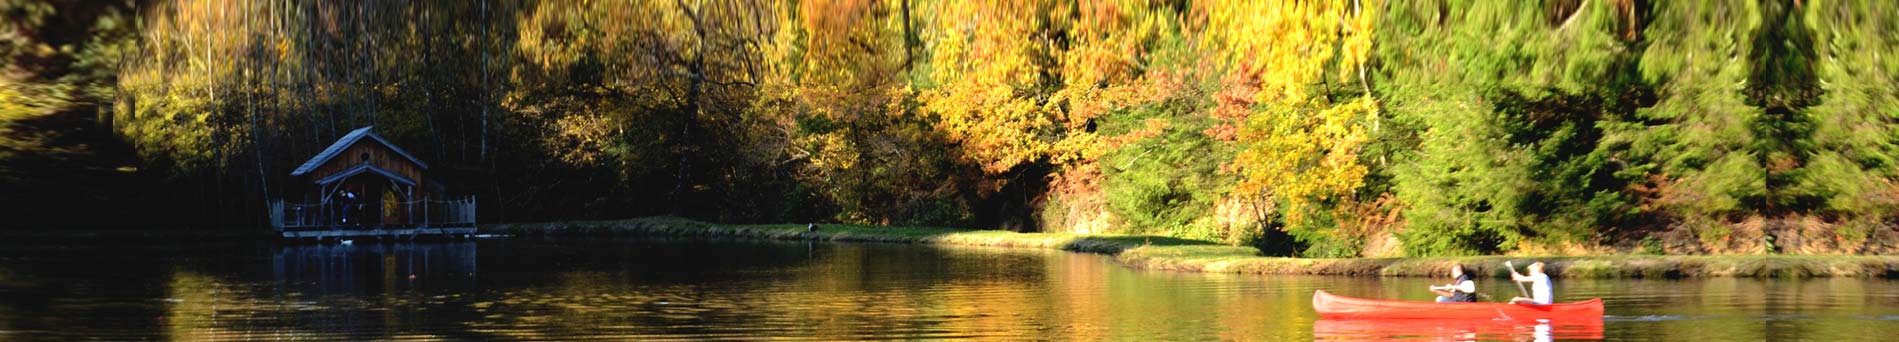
[384,268]
[1457,329]
[695,290]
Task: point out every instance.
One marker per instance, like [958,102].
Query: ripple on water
[1644,318]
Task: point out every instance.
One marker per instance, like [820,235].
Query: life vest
[1461,296]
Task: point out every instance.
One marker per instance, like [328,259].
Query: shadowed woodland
[1330,128]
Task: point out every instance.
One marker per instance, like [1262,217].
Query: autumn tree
[1297,102]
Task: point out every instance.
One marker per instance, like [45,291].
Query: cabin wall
[378,155]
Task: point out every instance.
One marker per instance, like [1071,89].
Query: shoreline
[1174,254]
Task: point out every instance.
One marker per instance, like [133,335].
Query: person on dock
[1460,290]
[349,199]
[1540,292]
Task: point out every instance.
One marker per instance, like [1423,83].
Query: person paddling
[1460,290]
[1540,292]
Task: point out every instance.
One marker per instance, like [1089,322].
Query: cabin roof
[361,168]
[343,144]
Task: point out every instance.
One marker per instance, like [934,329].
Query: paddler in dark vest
[1460,290]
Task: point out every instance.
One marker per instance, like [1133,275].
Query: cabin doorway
[350,200]
[391,206]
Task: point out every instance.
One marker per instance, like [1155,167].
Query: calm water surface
[523,289]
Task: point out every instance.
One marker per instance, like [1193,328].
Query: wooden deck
[393,233]
[411,219]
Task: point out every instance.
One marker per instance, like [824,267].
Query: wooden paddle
[1513,279]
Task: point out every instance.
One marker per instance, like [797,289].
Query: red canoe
[1335,306]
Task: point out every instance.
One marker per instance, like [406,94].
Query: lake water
[529,289]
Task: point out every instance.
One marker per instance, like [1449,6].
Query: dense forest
[1319,128]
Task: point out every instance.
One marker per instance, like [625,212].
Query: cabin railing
[277,215]
[285,216]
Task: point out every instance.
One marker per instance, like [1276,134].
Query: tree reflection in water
[634,289]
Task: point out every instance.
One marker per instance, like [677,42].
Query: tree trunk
[697,71]
[909,39]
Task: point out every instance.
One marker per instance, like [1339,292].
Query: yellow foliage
[1297,144]
[1009,95]
[582,139]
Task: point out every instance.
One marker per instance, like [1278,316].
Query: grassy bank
[1164,253]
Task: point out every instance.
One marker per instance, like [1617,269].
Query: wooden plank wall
[379,155]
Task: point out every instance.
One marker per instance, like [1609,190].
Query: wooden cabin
[364,185]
